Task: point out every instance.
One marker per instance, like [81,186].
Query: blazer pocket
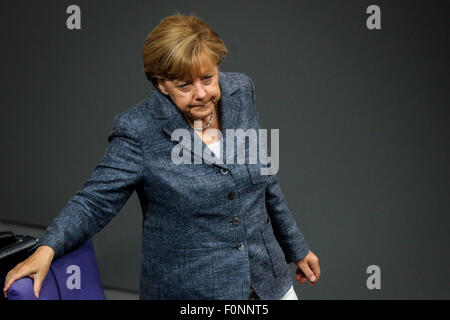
[276,254]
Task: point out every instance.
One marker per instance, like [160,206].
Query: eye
[207,79]
[184,85]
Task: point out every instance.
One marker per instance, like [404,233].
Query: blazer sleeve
[284,226]
[111,184]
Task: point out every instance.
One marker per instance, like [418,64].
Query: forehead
[198,73]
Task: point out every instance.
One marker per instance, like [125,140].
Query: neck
[204,122]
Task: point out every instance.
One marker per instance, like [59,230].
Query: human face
[196,98]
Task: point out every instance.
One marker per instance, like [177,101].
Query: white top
[216,148]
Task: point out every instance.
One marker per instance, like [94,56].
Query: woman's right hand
[35,266]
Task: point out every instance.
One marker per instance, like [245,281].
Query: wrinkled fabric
[191,249]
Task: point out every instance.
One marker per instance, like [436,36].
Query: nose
[199,91]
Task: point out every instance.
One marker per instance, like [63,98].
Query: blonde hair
[180,47]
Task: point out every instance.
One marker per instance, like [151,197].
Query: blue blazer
[210,231]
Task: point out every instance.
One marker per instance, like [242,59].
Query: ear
[162,87]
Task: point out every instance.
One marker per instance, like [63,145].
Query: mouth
[201,105]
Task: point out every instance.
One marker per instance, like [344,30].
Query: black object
[15,252]
[6,238]
[231,195]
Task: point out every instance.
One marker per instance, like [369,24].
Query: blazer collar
[162,107]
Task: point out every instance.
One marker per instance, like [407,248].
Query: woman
[210,231]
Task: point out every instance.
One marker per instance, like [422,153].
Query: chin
[202,112]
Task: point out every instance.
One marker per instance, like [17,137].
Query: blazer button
[224,171]
[241,246]
[236,221]
[231,195]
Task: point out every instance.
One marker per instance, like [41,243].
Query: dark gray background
[363,118]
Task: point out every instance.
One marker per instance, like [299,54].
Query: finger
[37,284]
[314,282]
[316,269]
[304,267]
[5,293]
[316,273]
[12,276]
[8,281]
[303,280]
[301,277]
